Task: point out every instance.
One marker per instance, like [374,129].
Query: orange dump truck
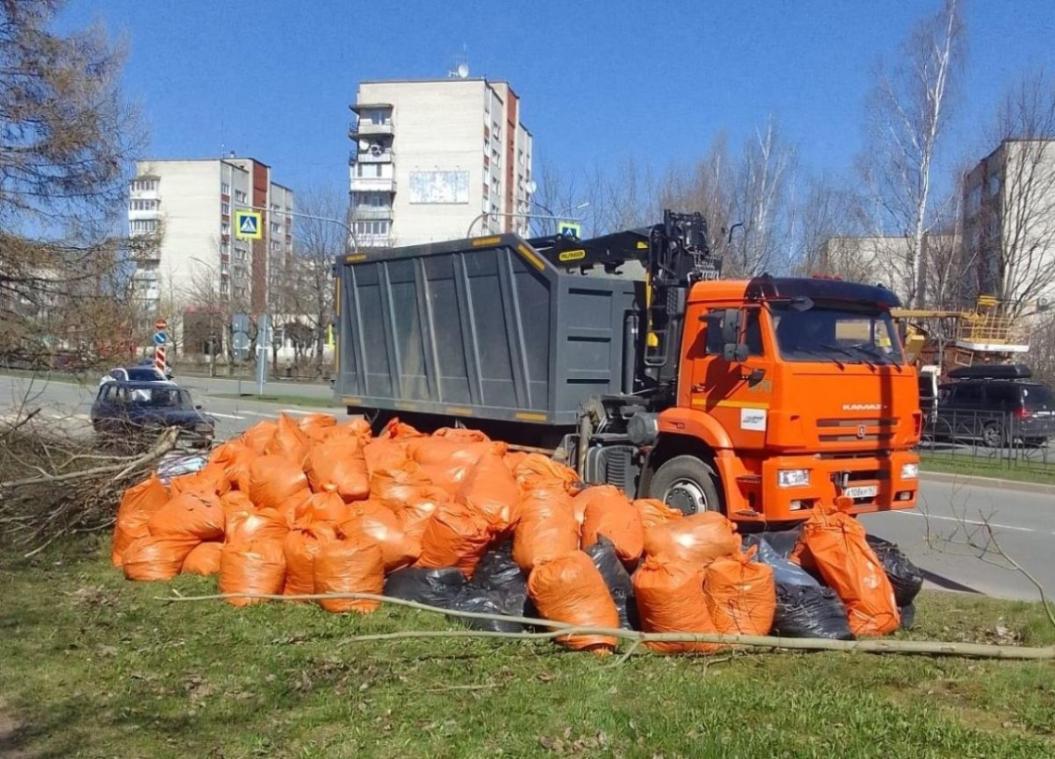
[760,398]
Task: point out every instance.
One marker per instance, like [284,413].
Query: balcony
[373,184]
[369,156]
[375,241]
[370,129]
[371,213]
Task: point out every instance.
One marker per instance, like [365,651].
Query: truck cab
[790,393]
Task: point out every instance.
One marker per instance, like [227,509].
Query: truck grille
[860,430]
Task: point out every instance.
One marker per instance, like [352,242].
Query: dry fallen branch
[560,629]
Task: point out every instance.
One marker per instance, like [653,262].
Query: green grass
[980,467]
[286,400]
[94,666]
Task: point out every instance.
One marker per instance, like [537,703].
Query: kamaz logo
[862,407]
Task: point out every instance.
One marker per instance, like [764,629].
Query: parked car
[996,405]
[928,396]
[141,373]
[127,412]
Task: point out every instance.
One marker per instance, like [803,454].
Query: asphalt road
[937,535]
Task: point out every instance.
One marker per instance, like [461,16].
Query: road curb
[988,482]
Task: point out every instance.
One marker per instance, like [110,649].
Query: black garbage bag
[805,611]
[908,616]
[498,587]
[784,571]
[905,576]
[435,587]
[603,555]
[781,541]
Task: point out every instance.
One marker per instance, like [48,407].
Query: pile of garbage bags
[458,521]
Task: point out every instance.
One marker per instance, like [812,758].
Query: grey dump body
[485,328]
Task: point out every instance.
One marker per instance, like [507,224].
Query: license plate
[862,491]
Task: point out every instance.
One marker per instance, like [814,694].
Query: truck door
[736,393]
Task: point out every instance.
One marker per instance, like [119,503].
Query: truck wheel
[992,436]
[687,484]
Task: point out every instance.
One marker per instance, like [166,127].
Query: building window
[380,227]
[239,196]
[225,188]
[143,205]
[145,185]
[143,226]
[225,228]
[225,209]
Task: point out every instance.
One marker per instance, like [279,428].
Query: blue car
[128,412]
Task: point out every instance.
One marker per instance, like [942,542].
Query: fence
[988,441]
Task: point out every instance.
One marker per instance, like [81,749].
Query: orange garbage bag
[396,486]
[384,454]
[256,525]
[609,512]
[741,594]
[204,559]
[257,437]
[834,543]
[570,589]
[381,526]
[300,547]
[447,458]
[276,481]
[236,507]
[138,504]
[209,480]
[317,426]
[327,507]
[547,528]
[491,490]
[156,558]
[455,536]
[235,457]
[533,471]
[289,441]
[396,430]
[354,429]
[353,565]
[696,539]
[256,566]
[191,515]
[338,466]
[654,511]
[414,514]
[670,599]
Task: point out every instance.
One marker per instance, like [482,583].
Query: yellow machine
[944,339]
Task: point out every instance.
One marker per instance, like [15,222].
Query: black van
[996,405]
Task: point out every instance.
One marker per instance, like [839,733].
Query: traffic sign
[569,229]
[160,338]
[161,325]
[247,225]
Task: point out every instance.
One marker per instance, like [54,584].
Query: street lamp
[506,214]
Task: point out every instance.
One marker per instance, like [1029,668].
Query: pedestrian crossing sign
[247,225]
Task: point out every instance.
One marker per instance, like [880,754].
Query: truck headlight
[909,471]
[793,478]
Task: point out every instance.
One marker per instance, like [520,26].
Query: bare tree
[761,203]
[1018,202]
[66,137]
[310,286]
[909,110]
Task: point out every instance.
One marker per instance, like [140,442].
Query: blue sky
[600,81]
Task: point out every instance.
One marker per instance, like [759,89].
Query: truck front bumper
[874,483]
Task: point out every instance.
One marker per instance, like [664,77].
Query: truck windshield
[839,334]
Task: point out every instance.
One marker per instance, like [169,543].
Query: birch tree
[908,114]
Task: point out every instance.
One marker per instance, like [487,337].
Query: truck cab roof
[767,288]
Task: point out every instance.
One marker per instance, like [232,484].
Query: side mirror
[730,325]
[732,348]
[199,407]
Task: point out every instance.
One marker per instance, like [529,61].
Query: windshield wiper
[819,354]
[871,350]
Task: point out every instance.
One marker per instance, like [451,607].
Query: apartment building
[189,206]
[1008,248]
[432,158]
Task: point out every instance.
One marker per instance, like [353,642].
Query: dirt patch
[10,742]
